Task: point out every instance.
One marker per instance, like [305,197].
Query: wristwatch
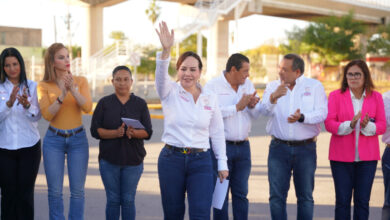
[302,118]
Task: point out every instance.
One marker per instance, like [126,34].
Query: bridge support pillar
[217,48]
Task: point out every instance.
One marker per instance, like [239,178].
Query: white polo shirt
[18,126]
[186,123]
[237,123]
[309,96]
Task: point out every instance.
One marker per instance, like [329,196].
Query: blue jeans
[120,183]
[239,164]
[180,173]
[301,162]
[76,149]
[386,181]
[356,178]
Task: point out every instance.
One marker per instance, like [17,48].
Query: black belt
[185,150]
[295,143]
[236,142]
[65,135]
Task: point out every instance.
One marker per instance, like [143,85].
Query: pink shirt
[340,109]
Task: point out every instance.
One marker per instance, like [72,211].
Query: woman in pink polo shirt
[356,116]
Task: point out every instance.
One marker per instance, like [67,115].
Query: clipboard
[133,123]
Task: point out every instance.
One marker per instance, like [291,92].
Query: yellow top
[69,115]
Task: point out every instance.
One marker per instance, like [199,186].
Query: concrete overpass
[372,12]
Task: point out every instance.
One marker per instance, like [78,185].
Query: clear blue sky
[128,17]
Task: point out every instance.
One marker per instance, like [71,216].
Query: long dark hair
[368,83]
[13,52]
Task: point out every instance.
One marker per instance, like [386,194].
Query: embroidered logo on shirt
[206,107]
[307,92]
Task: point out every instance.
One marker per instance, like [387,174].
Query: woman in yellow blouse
[62,98]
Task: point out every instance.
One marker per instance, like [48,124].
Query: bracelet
[59,100]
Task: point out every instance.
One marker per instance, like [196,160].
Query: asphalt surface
[148,201]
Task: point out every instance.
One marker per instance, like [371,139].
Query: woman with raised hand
[356,116]
[62,99]
[121,147]
[191,117]
[20,145]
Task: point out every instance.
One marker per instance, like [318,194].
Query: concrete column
[94,31]
[199,43]
[217,48]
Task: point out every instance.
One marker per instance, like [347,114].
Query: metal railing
[203,15]
[99,66]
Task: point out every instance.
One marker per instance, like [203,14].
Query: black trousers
[18,171]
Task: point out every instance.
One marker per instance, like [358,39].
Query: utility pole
[55,29]
[67,23]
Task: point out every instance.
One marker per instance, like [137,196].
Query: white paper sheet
[133,123]
[220,192]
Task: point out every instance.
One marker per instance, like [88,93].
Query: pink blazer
[340,109]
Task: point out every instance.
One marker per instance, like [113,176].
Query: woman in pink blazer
[356,116]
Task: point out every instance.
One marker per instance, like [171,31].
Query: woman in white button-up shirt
[191,117]
[20,146]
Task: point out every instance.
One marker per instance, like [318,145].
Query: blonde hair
[50,74]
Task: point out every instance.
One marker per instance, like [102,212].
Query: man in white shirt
[239,105]
[296,106]
[386,159]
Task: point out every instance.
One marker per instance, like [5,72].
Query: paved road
[148,198]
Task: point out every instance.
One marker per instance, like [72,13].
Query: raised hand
[253,100]
[244,101]
[365,121]
[121,130]
[23,99]
[355,120]
[13,96]
[294,117]
[167,39]
[279,92]
[69,83]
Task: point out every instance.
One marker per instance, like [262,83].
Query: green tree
[327,40]
[256,56]
[153,11]
[190,44]
[333,38]
[379,43]
[295,42]
[118,35]
[148,60]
